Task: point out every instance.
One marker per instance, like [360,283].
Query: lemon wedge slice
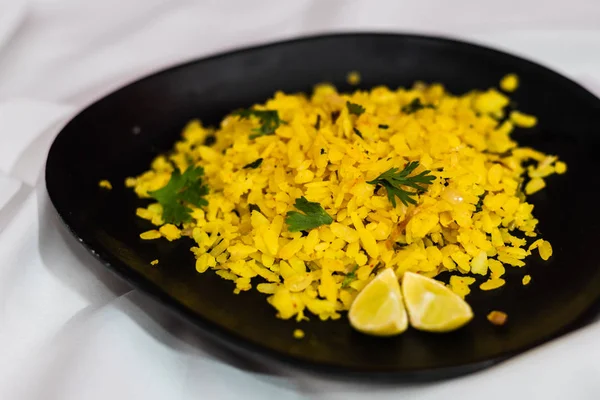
[378,309]
[432,306]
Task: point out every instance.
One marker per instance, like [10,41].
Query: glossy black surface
[103,142]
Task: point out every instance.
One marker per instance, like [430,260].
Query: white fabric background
[70,330]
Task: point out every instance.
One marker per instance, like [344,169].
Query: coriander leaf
[351,276]
[393,180]
[354,108]
[383,126]
[313,217]
[358,133]
[269,121]
[181,190]
[415,106]
[254,164]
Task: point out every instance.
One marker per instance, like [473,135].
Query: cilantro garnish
[269,121]
[313,217]
[181,190]
[393,180]
[358,133]
[254,164]
[354,108]
[415,106]
[350,277]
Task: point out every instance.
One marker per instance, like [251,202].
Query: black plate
[120,134]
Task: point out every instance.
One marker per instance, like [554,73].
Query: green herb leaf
[181,190]
[383,126]
[393,181]
[415,106]
[350,277]
[313,217]
[354,108]
[254,164]
[358,133]
[269,121]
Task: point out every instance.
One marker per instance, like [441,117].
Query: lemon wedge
[432,306]
[378,309]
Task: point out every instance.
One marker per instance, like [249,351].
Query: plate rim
[231,338]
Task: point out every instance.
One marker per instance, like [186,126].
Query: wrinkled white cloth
[69,329]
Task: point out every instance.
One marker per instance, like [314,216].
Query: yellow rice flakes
[353,77]
[544,248]
[471,220]
[460,284]
[105,184]
[523,120]
[492,283]
[170,232]
[298,334]
[149,235]
[509,83]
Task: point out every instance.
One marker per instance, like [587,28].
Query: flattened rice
[471,219]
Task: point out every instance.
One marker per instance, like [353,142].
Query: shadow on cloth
[70,262]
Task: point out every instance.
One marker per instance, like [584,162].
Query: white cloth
[71,330]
